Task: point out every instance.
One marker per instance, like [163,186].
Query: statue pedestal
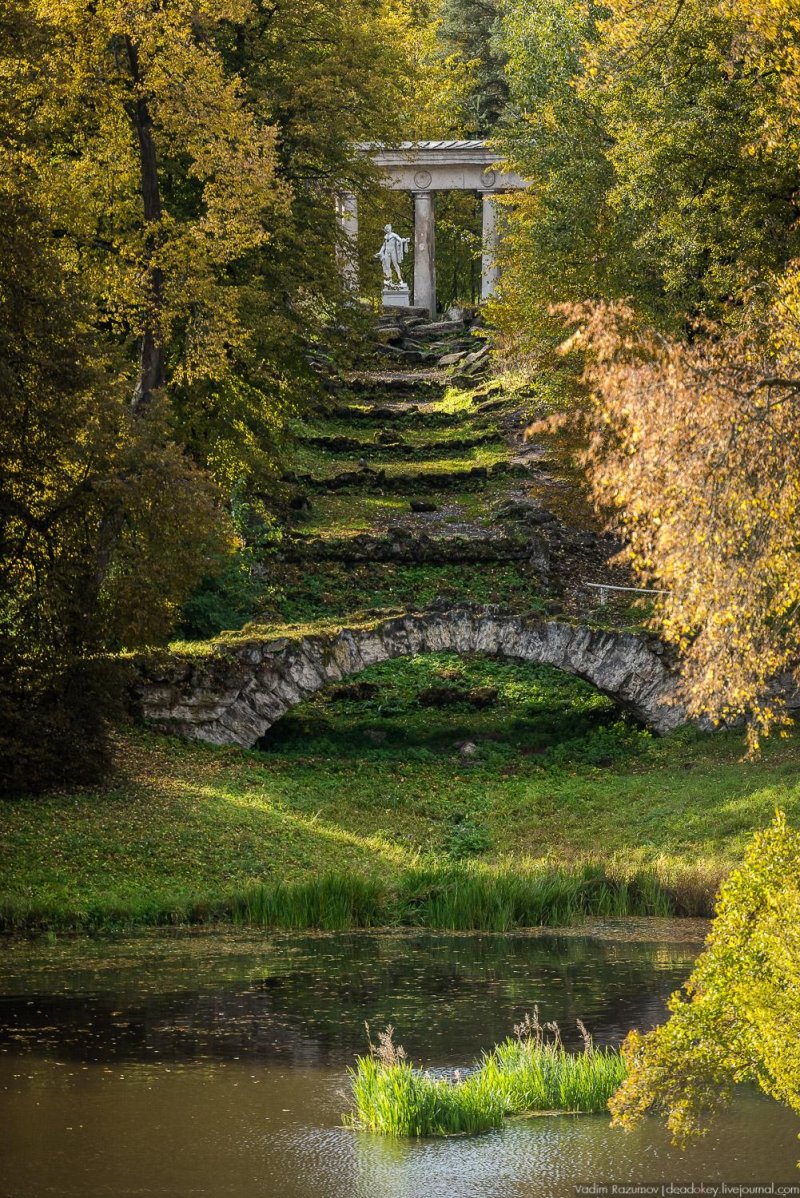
[396,295]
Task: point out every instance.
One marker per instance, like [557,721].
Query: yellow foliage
[204,131]
[738,1018]
[707,436]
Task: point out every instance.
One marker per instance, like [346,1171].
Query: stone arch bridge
[242,688]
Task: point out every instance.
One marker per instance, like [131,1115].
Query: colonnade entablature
[423,168]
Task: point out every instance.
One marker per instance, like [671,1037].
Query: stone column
[424,252]
[490,271]
[347,246]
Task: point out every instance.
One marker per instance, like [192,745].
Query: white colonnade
[423,168]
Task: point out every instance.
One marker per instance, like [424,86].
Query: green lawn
[375,787]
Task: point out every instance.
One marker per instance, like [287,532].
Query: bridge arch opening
[237,694]
[464,706]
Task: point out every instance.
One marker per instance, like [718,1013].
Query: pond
[214,1064]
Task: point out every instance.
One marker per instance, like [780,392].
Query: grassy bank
[534,804]
[459,897]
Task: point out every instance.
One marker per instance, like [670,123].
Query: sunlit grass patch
[522,1075]
[364,812]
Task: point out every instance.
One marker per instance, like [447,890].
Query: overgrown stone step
[367,479]
[420,328]
[410,315]
[406,356]
[396,339]
[405,546]
[443,328]
[388,415]
[400,448]
[430,384]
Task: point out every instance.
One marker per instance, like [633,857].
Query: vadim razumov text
[704,1189]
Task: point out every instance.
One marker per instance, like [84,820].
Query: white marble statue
[391,255]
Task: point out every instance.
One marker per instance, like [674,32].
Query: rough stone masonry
[238,691]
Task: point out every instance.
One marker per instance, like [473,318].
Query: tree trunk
[151,354]
[151,358]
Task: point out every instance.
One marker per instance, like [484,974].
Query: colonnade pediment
[443,166]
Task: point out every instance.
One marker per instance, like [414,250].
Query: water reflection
[214,1064]
[304,999]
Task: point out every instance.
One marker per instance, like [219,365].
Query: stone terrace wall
[234,695]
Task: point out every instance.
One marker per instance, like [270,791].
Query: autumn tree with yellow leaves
[167,184]
[735,1021]
[661,141]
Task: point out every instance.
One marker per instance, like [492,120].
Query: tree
[662,158]
[167,190]
[562,239]
[694,453]
[661,141]
[470,33]
[163,176]
[688,102]
[737,1019]
[70,454]
[76,460]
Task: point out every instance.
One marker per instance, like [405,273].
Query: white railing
[605,587]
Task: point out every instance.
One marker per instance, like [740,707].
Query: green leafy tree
[104,522]
[737,1019]
[561,239]
[712,196]
[661,157]
[70,455]
[470,32]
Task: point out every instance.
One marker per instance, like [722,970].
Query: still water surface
[214,1064]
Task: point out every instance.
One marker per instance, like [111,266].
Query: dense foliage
[661,142]
[697,449]
[167,190]
[737,1020]
[662,160]
[470,32]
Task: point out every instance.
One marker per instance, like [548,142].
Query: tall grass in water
[457,897]
[522,1075]
[453,897]
[333,902]
[499,898]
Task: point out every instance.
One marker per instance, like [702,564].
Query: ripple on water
[215,1063]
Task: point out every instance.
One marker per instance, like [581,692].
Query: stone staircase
[418,459]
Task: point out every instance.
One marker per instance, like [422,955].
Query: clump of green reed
[332,902]
[461,897]
[530,1072]
[467,897]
